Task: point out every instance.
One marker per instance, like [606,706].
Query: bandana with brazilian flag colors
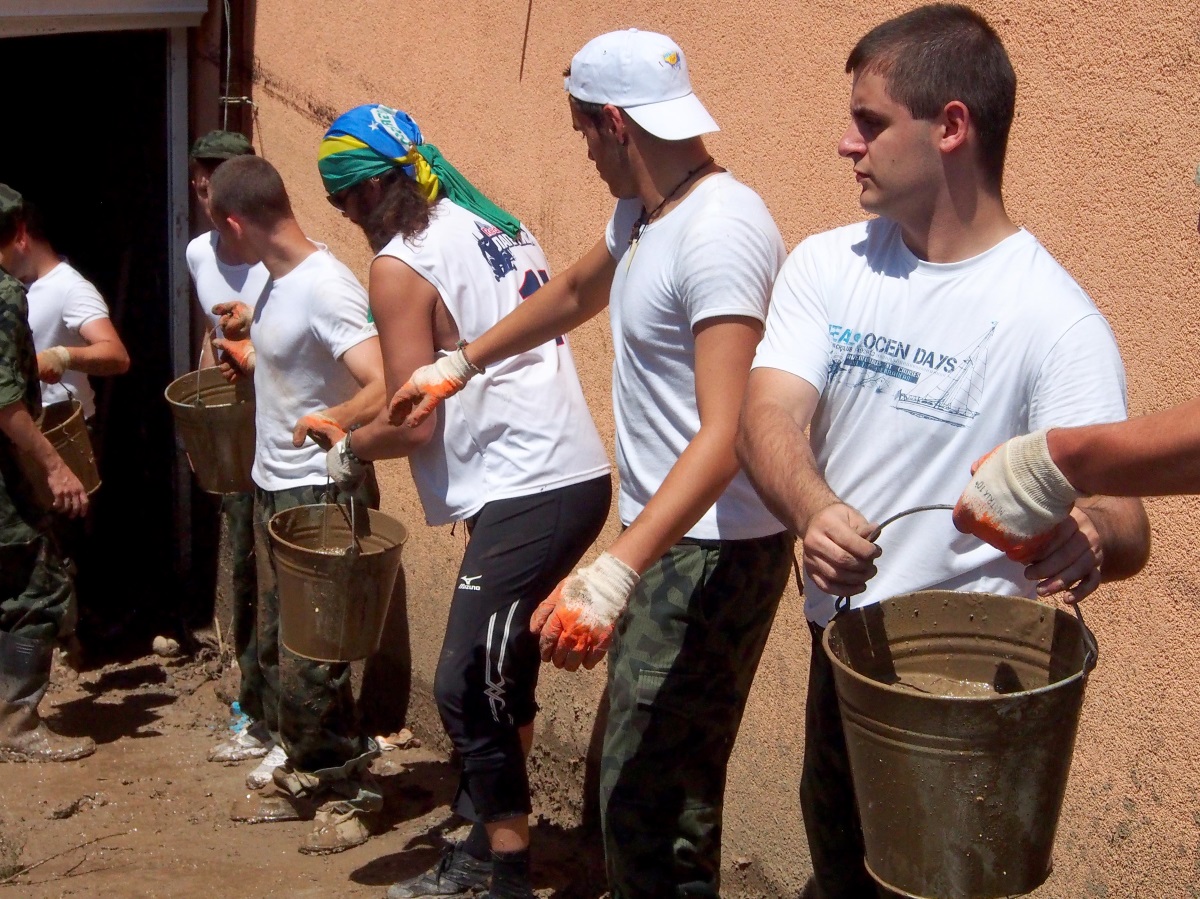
[373,139]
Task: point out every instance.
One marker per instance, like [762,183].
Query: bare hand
[1069,561]
[839,552]
[69,496]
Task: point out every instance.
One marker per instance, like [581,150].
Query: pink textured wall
[1100,169]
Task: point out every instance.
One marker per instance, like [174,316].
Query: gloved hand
[321,427]
[428,386]
[345,469]
[235,318]
[52,363]
[237,357]
[1016,497]
[576,621]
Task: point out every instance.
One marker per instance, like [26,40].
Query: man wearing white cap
[692,583]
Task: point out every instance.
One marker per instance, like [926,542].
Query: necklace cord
[646,218]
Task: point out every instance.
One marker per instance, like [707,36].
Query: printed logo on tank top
[497,246]
[942,387]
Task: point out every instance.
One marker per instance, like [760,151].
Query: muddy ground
[147,815]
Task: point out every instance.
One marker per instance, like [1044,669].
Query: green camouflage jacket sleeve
[18,359]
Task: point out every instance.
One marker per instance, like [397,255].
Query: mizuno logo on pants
[468,583]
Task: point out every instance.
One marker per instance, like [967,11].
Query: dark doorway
[89,147]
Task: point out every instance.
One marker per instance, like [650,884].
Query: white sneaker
[261,776]
[251,742]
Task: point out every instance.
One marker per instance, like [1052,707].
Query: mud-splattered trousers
[238,511]
[36,591]
[308,706]
[679,673]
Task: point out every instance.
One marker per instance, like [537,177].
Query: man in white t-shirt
[315,360]
[69,319]
[692,583]
[228,290]
[911,344]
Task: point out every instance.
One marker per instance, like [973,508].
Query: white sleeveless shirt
[523,426]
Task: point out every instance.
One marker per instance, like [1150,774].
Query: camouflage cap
[221,145]
[12,204]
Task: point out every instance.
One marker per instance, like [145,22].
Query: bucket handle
[1091,648]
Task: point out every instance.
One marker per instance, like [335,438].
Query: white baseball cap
[646,75]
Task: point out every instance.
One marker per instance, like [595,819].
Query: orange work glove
[428,386]
[53,363]
[1016,497]
[321,427]
[575,622]
[237,358]
[235,318]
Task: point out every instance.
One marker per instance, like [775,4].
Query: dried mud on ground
[148,815]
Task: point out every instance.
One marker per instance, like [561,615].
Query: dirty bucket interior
[336,569]
[960,712]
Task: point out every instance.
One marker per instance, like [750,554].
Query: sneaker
[455,874]
[261,775]
[251,742]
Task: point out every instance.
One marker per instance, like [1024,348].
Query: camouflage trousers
[238,511]
[308,706]
[37,593]
[679,672]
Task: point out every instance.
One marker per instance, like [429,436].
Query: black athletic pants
[518,551]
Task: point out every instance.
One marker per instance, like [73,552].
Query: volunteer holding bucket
[315,361]
[911,344]
[515,456]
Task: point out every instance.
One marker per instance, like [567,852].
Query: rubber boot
[24,676]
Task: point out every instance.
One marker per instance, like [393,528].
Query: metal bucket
[960,712]
[63,425]
[334,588]
[215,422]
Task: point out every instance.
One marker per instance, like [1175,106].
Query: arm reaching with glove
[234,319]
[236,358]
[103,353]
[575,623]
[563,303]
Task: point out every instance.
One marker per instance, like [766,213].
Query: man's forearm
[361,408]
[779,461]
[19,427]
[379,439]
[101,359]
[1124,533]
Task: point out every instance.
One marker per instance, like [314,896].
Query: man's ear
[614,122]
[955,125]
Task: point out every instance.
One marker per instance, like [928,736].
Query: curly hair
[401,210]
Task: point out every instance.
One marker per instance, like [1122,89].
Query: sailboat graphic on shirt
[951,398]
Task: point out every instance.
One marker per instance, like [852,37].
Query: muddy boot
[510,876]
[24,676]
[272,808]
[339,827]
[456,874]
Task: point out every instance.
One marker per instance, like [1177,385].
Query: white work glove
[53,363]
[1016,496]
[576,621]
[428,386]
[345,469]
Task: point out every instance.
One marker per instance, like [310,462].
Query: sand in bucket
[960,712]
[336,570]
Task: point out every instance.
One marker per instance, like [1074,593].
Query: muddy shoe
[338,829]
[455,874]
[261,775]
[24,737]
[251,742]
[271,809]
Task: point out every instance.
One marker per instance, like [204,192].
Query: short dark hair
[402,210]
[28,215]
[939,53]
[592,111]
[250,188]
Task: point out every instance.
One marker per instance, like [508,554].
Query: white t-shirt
[222,282]
[714,254]
[60,303]
[922,369]
[308,319]
[523,426]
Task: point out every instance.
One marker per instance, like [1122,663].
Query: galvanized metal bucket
[335,569]
[63,425]
[960,712]
[215,422]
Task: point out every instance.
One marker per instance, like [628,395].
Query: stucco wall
[1100,169]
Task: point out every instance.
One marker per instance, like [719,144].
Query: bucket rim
[275,537]
[193,376]
[934,697]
